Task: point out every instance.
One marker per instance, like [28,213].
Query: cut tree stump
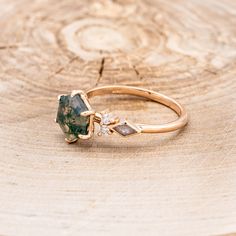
[181,183]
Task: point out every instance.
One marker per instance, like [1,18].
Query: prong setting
[87,136]
[106,120]
[87,113]
[90,128]
[71,141]
[76,92]
[59,96]
[75,116]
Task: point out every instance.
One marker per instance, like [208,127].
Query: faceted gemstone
[69,116]
[124,129]
[106,119]
[104,130]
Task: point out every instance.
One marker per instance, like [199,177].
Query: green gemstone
[69,116]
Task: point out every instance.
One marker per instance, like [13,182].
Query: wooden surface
[166,184]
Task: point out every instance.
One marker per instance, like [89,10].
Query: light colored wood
[165,184]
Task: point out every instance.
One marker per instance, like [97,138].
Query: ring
[77,118]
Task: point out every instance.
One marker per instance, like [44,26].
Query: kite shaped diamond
[125,129]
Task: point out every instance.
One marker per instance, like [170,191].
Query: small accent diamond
[106,119]
[104,130]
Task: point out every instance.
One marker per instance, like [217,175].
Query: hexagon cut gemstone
[69,116]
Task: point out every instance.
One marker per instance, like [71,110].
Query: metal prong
[87,136]
[59,96]
[75,92]
[84,97]
[90,130]
[87,113]
[105,111]
[115,120]
[71,141]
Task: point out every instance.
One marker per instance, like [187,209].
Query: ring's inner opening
[134,108]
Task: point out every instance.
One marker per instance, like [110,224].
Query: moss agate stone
[69,116]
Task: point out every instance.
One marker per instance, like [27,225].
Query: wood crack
[3,47]
[100,71]
[137,73]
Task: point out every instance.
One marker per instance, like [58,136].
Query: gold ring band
[76,117]
[153,96]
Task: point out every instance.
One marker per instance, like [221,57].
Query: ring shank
[153,96]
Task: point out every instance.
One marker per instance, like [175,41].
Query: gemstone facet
[124,129]
[107,119]
[69,116]
[104,130]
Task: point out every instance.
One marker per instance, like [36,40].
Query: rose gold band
[151,95]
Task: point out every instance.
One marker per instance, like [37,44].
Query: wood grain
[167,184]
